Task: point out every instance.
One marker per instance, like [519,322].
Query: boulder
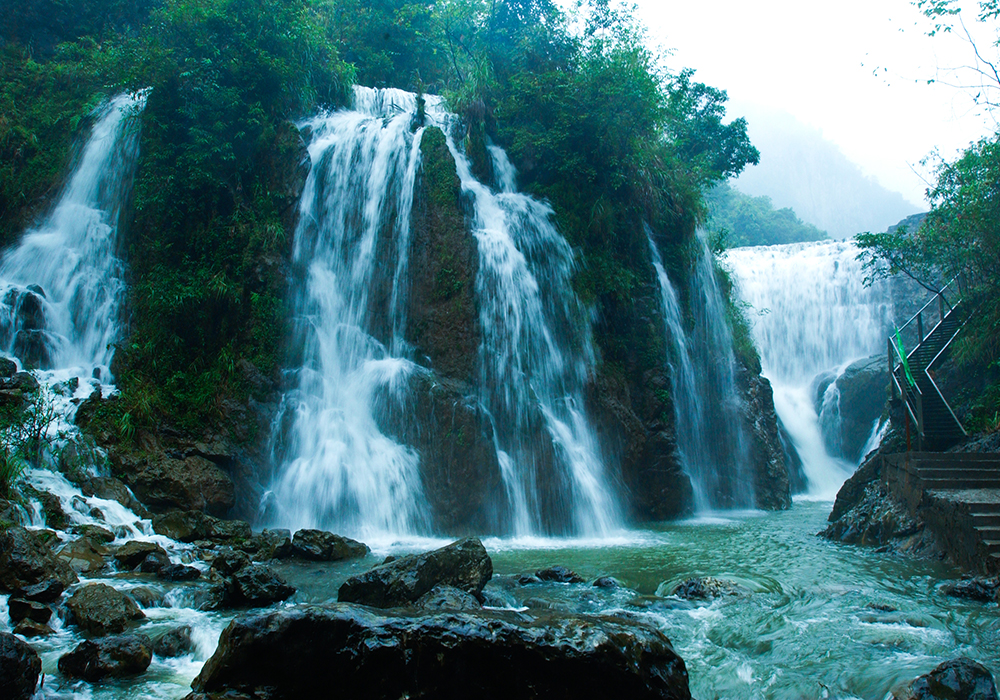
[178,572]
[132,554]
[272,544]
[957,679]
[464,565]
[176,642]
[95,533]
[7,368]
[116,656]
[26,560]
[154,563]
[48,591]
[163,482]
[318,545]
[100,609]
[22,381]
[19,668]
[146,597]
[31,348]
[228,561]
[305,651]
[255,585]
[84,556]
[55,517]
[849,408]
[21,609]
[190,526]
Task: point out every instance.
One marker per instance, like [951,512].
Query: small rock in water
[707,588]
[957,679]
[30,628]
[146,597]
[101,609]
[133,554]
[985,590]
[116,656]
[559,574]
[179,572]
[447,598]
[153,562]
[255,585]
[606,582]
[176,642]
[19,668]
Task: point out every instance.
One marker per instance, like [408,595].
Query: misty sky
[855,69]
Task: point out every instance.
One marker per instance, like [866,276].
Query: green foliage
[42,108]
[24,427]
[959,238]
[212,195]
[736,219]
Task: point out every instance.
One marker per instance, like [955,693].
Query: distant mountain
[801,169]
[738,219]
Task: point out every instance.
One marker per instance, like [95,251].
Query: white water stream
[337,469]
[812,315]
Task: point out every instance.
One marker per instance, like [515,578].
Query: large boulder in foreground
[957,679]
[101,609]
[356,652]
[19,668]
[26,560]
[464,565]
[115,657]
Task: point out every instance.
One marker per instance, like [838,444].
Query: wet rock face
[464,565]
[452,432]
[191,483]
[25,560]
[862,389]
[189,526]
[100,609]
[771,482]
[960,678]
[19,668]
[303,652]
[117,656]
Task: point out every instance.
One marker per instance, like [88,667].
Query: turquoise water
[818,620]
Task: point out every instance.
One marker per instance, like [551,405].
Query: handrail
[938,297]
[927,373]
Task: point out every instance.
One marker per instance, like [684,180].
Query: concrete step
[992,546]
[988,534]
[984,510]
[958,472]
[950,457]
[932,484]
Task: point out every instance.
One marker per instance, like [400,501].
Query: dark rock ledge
[367,654]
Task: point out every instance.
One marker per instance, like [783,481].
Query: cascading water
[337,469]
[63,281]
[814,317]
[711,437]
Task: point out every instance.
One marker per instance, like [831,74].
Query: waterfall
[711,436]
[335,467]
[63,282]
[812,317]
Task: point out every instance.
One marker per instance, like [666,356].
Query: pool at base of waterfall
[793,615]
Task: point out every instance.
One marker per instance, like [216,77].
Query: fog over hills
[801,169]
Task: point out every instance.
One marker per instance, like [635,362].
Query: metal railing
[902,384]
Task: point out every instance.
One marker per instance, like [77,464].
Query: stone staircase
[957,494]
